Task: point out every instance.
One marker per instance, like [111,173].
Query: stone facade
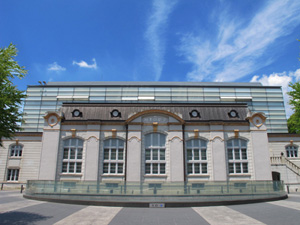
[145,146]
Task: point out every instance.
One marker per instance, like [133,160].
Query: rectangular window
[12,174]
[113,158]
[196,156]
[72,156]
[16,151]
[237,156]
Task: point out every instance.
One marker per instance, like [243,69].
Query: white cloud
[157,23]
[237,50]
[84,64]
[55,67]
[280,79]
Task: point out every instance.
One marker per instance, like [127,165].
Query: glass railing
[232,188]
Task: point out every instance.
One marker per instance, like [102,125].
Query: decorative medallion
[52,119]
[258,119]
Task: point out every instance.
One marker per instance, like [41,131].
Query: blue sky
[154,40]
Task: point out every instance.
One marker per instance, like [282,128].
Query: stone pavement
[14,209]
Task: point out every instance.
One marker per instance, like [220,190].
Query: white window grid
[237,156]
[155,153]
[113,156]
[291,151]
[72,156]
[13,174]
[16,151]
[196,156]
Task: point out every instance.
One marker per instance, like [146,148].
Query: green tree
[10,96]
[294,120]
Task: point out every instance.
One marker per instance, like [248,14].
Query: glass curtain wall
[41,99]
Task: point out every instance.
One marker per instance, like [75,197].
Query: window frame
[291,151]
[115,162]
[16,151]
[237,163]
[72,162]
[155,166]
[13,174]
[192,163]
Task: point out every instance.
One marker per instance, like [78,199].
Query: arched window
[155,153]
[16,150]
[291,151]
[113,159]
[196,158]
[237,156]
[72,155]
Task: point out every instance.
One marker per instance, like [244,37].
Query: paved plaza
[14,209]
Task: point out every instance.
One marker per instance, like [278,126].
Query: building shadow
[18,218]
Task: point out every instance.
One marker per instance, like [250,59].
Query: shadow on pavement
[18,218]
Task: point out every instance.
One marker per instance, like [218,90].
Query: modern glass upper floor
[49,97]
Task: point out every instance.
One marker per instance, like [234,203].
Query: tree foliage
[10,96]
[294,120]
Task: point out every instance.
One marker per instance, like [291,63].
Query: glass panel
[148,167]
[236,153]
[113,154]
[245,167]
[120,154]
[190,168]
[155,168]
[155,139]
[197,168]
[189,154]
[203,154]
[113,142]
[148,141]
[71,167]
[238,168]
[162,154]
[244,154]
[204,167]
[106,153]
[121,144]
[66,153]
[120,168]
[196,154]
[79,153]
[148,154]
[189,143]
[65,167]
[17,175]
[155,154]
[72,153]
[162,168]
[230,155]
[78,167]
[112,168]
[105,168]
[231,169]
[162,140]
[106,143]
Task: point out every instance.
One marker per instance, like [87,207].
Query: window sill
[155,175]
[71,174]
[240,175]
[112,175]
[15,157]
[198,175]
